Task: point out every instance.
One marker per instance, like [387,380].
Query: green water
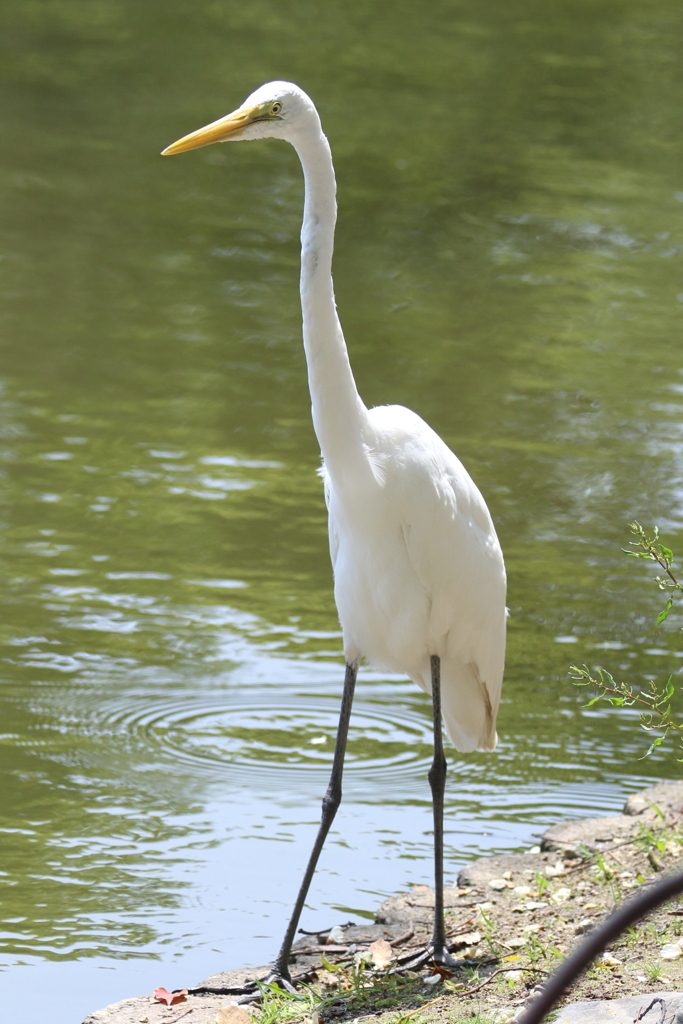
[508,264]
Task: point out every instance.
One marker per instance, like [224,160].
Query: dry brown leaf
[162,995]
[381,953]
[468,939]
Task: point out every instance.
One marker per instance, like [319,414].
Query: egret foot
[442,958]
[283,979]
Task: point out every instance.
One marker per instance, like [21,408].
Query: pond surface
[509,264]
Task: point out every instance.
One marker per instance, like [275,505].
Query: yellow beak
[229,127]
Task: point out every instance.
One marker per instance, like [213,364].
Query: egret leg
[331,802]
[437,781]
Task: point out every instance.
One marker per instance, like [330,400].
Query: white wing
[454,552]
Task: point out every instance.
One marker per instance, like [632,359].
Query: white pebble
[561,896]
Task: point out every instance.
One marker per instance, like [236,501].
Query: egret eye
[276,108]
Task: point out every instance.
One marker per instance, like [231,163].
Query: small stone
[381,953]
[556,871]
[531,928]
[498,884]
[232,1014]
[584,926]
[670,951]
[523,890]
[434,979]
[611,961]
[535,906]
[515,944]
[514,975]
[561,896]
[336,936]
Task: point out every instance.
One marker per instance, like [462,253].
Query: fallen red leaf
[443,972]
[162,995]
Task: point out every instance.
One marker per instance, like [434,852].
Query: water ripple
[282,739]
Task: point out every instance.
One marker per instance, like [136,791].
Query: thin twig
[501,970]
[168,1020]
[403,938]
[419,1009]
[662,1012]
[462,926]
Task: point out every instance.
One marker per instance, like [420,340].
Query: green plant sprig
[658,716]
[655,701]
[652,549]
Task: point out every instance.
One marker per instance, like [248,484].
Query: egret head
[277,110]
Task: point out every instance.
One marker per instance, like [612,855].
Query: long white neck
[339,415]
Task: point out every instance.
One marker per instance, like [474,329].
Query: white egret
[419,579]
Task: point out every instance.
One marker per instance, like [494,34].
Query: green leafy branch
[658,715]
[653,703]
[652,550]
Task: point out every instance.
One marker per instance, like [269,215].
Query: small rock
[611,1011]
[535,906]
[336,936]
[670,951]
[523,890]
[498,884]
[584,926]
[381,953]
[515,944]
[663,795]
[561,896]
[555,872]
[566,837]
[611,961]
[233,1014]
